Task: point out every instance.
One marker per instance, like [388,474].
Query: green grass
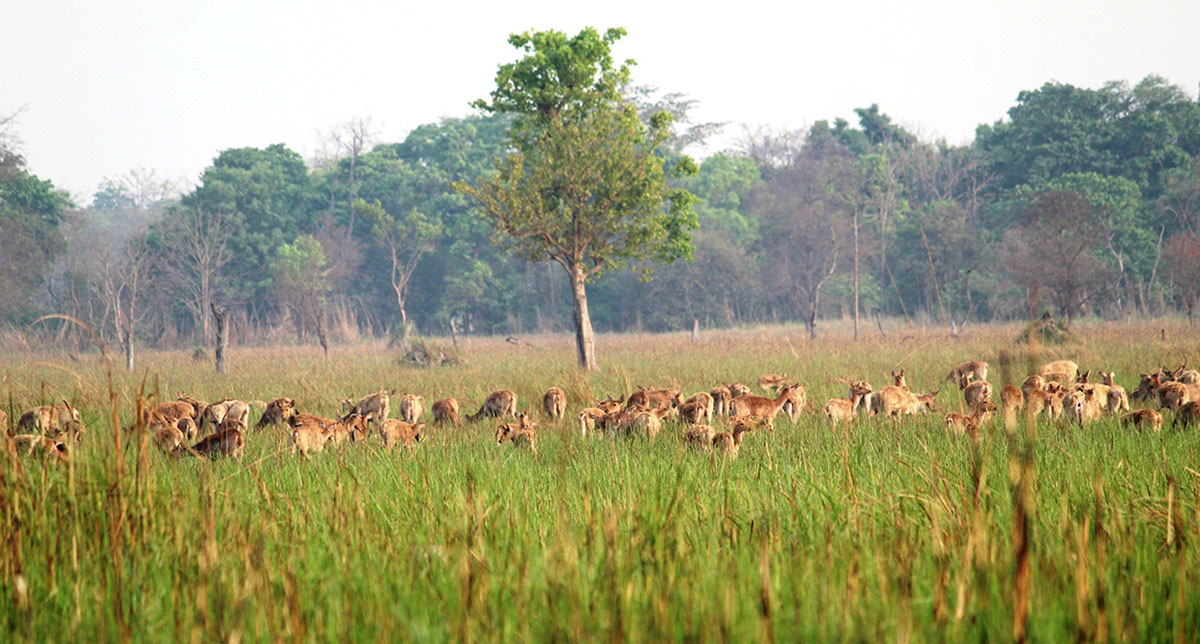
[878,534]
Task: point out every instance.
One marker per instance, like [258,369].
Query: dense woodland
[1082,202]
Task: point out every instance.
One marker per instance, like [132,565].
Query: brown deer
[34,445]
[445,411]
[1172,395]
[554,403]
[1143,417]
[839,410]
[649,422]
[898,379]
[796,401]
[1063,372]
[728,443]
[771,382]
[960,374]
[46,419]
[704,399]
[1118,399]
[1188,415]
[229,442]
[738,389]
[1083,405]
[1012,400]
[1049,400]
[721,397]
[896,401]
[655,398]
[695,412]
[277,412]
[307,439]
[699,437]
[394,431]
[588,416]
[216,413]
[977,391]
[353,428]
[521,433]
[411,408]
[377,405]
[501,402]
[760,406]
[970,425]
[1033,383]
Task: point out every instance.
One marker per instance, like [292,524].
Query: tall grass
[881,532]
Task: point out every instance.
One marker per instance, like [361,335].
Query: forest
[1079,202]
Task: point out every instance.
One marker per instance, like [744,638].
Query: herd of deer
[1058,390]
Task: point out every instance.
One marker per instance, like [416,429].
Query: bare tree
[347,141]
[195,253]
[1052,250]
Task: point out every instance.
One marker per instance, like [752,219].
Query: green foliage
[31,214]
[267,197]
[721,187]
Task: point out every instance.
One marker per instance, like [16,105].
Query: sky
[110,86]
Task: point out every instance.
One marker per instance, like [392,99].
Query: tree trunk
[585,342]
[127,344]
[222,316]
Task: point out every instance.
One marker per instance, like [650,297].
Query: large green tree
[585,185]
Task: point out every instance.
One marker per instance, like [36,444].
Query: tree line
[1082,202]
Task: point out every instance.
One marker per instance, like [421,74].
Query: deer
[445,411]
[721,397]
[650,421]
[377,405]
[977,391]
[1141,417]
[695,412]
[796,401]
[1118,399]
[771,382]
[896,401]
[230,441]
[975,368]
[898,380]
[216,413]
[501,402]
[1033,383]
[411,408]
[704,399]
[970,425]
[521,433]
[699,437]
[1188,415]
[308,438]
[394,430]
[198,407]
[48,448]
[353,428]
[277,412]
[728,442]
[1083,405]
[1049,400]
[655,398]
[1061,371]
[760,406]
[45,419]
[554,403]
[738,389]
[1172,395]
[1012,400]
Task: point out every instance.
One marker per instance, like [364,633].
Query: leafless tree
[348,140]
[195,252]
[1052,250]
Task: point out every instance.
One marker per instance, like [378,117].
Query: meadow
[883,532]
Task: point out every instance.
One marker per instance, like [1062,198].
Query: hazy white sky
[113,85]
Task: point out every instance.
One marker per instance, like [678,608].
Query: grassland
[888,532]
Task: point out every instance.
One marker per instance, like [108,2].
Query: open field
[887,532]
